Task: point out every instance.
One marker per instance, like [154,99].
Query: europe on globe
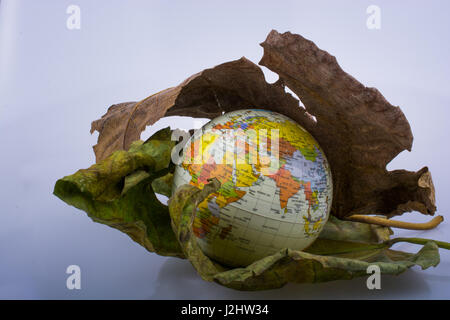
[275,185]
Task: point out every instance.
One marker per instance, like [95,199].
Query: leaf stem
[395,223]
[440,244]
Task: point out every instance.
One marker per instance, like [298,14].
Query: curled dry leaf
[119,191]
[230,86]
[357,128]
[342,255]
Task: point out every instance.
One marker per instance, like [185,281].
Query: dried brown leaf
[358,129]
[230,86]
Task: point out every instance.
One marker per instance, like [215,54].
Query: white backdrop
[54,81]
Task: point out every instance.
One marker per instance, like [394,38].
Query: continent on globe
[276,185]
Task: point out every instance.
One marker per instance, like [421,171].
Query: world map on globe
[275,185]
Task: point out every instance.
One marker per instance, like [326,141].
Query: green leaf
[344,251]
[302,267]
[118,192]
[337,229]
[163,185]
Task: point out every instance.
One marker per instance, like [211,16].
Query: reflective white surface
[55,81]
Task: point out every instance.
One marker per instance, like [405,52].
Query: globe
[275,185]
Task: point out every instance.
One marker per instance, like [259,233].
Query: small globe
[276,185]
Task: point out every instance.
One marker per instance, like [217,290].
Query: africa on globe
[275,185]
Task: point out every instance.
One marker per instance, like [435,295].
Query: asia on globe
[275,185]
